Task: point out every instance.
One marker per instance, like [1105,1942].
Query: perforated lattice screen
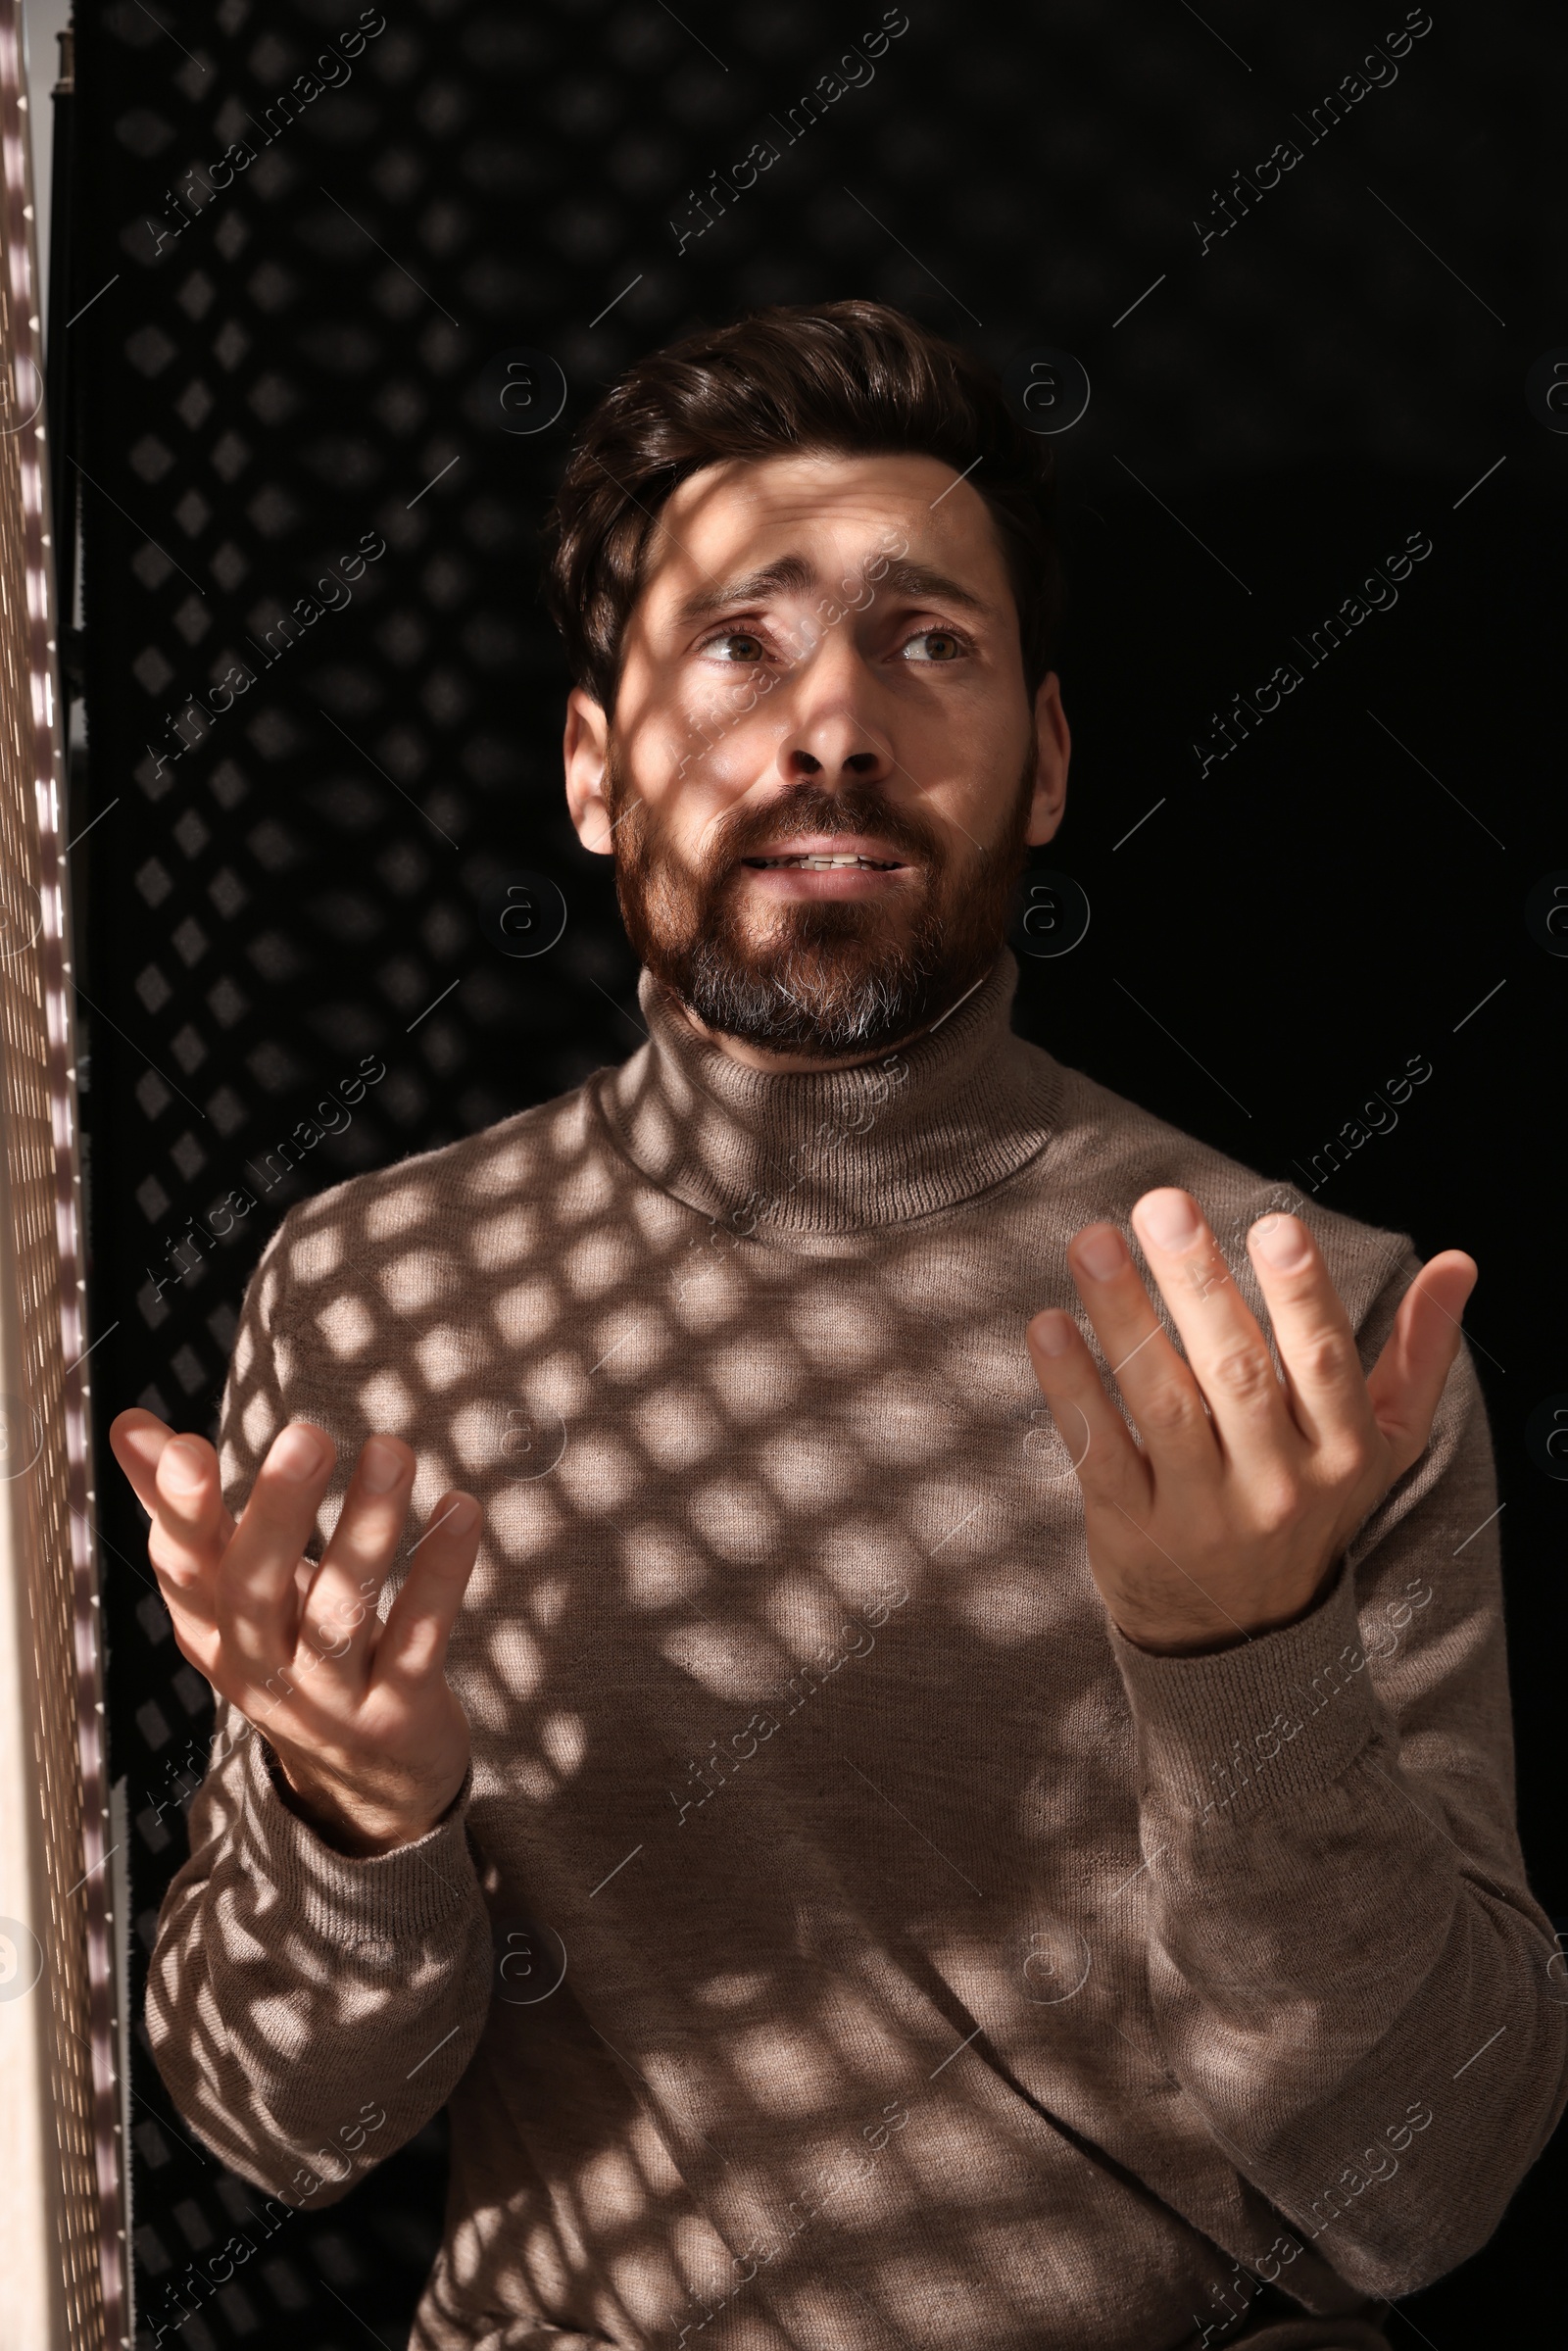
[56,1954]
[46,1960]
[324,710]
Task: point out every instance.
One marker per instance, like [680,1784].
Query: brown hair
[851,377]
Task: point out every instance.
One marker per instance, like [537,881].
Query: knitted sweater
[844,1939]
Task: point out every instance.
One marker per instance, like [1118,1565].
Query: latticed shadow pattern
[337,258]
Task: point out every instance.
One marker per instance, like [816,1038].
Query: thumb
[1407,1379]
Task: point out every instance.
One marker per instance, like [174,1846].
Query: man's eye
[734,636]
[945,646]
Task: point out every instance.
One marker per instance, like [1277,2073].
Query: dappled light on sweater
[833,1948]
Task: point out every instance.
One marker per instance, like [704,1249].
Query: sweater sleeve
[1349,1975]
[309,2009]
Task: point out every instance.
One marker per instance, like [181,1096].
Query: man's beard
[830,977]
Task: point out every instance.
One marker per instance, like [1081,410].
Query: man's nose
[822,761]
[835,743]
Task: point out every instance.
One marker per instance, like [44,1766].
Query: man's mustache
[808,810]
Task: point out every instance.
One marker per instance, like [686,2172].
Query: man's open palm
[1232,1512]
[367,1729]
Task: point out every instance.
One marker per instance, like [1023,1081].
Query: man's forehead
[805,516]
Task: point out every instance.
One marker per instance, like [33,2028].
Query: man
[870,1859]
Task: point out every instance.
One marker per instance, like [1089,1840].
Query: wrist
[1170,1636]
[362,1827]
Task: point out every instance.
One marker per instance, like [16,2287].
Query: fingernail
[180,1467]
[1283,1241]
[1054,1333]
[1169,1219]
[297,1454]
[1100,1252]
[380,1466]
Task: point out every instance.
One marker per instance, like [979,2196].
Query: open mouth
[816,862]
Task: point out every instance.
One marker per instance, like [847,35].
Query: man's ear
[584,748]
[1054,749]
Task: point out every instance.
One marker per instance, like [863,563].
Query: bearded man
[885,1673]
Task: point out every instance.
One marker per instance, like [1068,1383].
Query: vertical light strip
[53,1598]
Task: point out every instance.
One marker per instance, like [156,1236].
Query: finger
[1328,1392]
[141,1440]
[342,1593]
[1226,1351]
[413,1647]
[137,1438]
[177,1482]
[257,1593]
[1157,1386]
[1407,1379]
[188,1534]
[1107,1463]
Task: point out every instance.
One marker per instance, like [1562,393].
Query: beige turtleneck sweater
[845,1941]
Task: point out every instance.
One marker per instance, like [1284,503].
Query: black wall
[308,360]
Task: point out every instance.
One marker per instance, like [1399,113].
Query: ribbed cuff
[1277,1717]
[351,1897]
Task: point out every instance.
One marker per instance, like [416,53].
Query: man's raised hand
[1231,1514]
[368,1731]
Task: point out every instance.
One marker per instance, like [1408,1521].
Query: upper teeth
[818,865]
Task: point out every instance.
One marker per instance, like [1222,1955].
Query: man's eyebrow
[794,575]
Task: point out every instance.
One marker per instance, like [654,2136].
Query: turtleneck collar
[924,1127]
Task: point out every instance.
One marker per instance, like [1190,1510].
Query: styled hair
[851,378]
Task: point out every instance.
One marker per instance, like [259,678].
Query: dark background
[306,362]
